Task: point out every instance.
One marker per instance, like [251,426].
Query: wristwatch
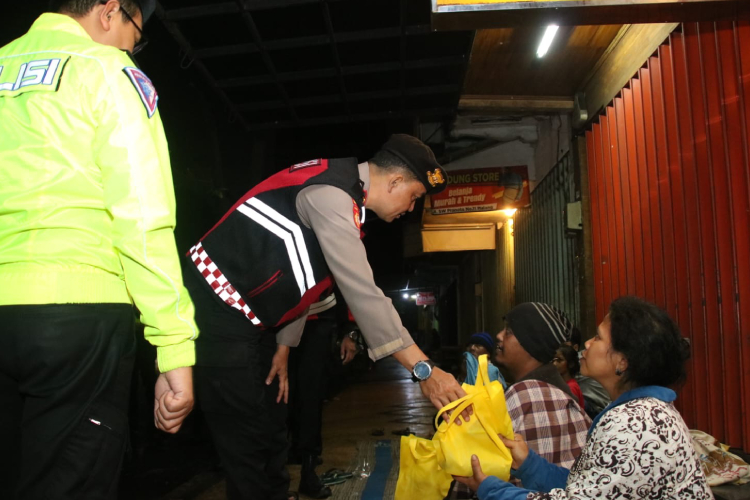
[422,370]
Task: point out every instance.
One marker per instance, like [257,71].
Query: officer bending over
[256,272]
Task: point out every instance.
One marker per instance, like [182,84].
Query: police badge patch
[355,210]
[145,89]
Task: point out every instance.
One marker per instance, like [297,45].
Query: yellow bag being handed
[426,466]
[455,444]
[420,475]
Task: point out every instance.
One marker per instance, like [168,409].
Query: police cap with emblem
[420,159]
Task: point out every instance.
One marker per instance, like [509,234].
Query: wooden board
[478,14]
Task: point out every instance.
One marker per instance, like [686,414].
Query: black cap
[147,8]
[539,328]
[484,339]
[420,159]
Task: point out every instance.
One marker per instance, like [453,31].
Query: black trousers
[307,385]
[248,427]
[65,373]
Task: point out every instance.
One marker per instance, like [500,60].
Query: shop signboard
[425,299]
[483,190]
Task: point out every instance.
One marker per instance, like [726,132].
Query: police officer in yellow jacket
[87,213]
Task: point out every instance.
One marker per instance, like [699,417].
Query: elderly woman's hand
[518,448]
[474,481]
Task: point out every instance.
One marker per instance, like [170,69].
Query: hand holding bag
[455,444]
[427,465]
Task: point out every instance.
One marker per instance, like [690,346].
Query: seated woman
[566,362]
[639,446]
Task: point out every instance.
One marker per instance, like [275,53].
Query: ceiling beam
[360,117]
[351,97]
[214,9]
[186,49]
[495,105]
[255,34]
[363,69]
[402,52]
[309,41]
[335,51]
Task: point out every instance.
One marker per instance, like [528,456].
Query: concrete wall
[486,290]
[486,287]
[537,142]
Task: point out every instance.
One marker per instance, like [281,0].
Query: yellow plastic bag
[427,465]
[455,444]
[420,476]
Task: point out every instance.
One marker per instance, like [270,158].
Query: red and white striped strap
[219,283]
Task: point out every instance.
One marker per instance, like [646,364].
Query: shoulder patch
[357,219]
[145,89]
[311,163]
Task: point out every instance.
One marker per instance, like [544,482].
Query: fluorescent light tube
[549,35]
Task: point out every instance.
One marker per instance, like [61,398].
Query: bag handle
[493,433]
[483,372]
[457,406]
[465,402]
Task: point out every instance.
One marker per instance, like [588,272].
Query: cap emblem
[435,178]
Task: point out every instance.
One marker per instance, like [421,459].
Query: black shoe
[309,482]
[322,492]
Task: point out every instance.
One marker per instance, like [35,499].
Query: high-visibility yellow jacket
[87,209]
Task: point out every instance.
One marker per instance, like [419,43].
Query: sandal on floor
[335,476]
[292,495]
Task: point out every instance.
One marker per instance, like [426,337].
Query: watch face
[422,370]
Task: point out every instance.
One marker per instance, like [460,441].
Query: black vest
[260,258]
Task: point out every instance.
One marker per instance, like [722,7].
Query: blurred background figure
[479,343]
[566,362]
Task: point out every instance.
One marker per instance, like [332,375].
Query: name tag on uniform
[305,164]
[18,76]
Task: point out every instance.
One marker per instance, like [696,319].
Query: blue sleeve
[494,488]
[539,475]
[496,375]
[472,367]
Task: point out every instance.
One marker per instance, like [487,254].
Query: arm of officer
[328,211]
[287,337]
[131,151]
